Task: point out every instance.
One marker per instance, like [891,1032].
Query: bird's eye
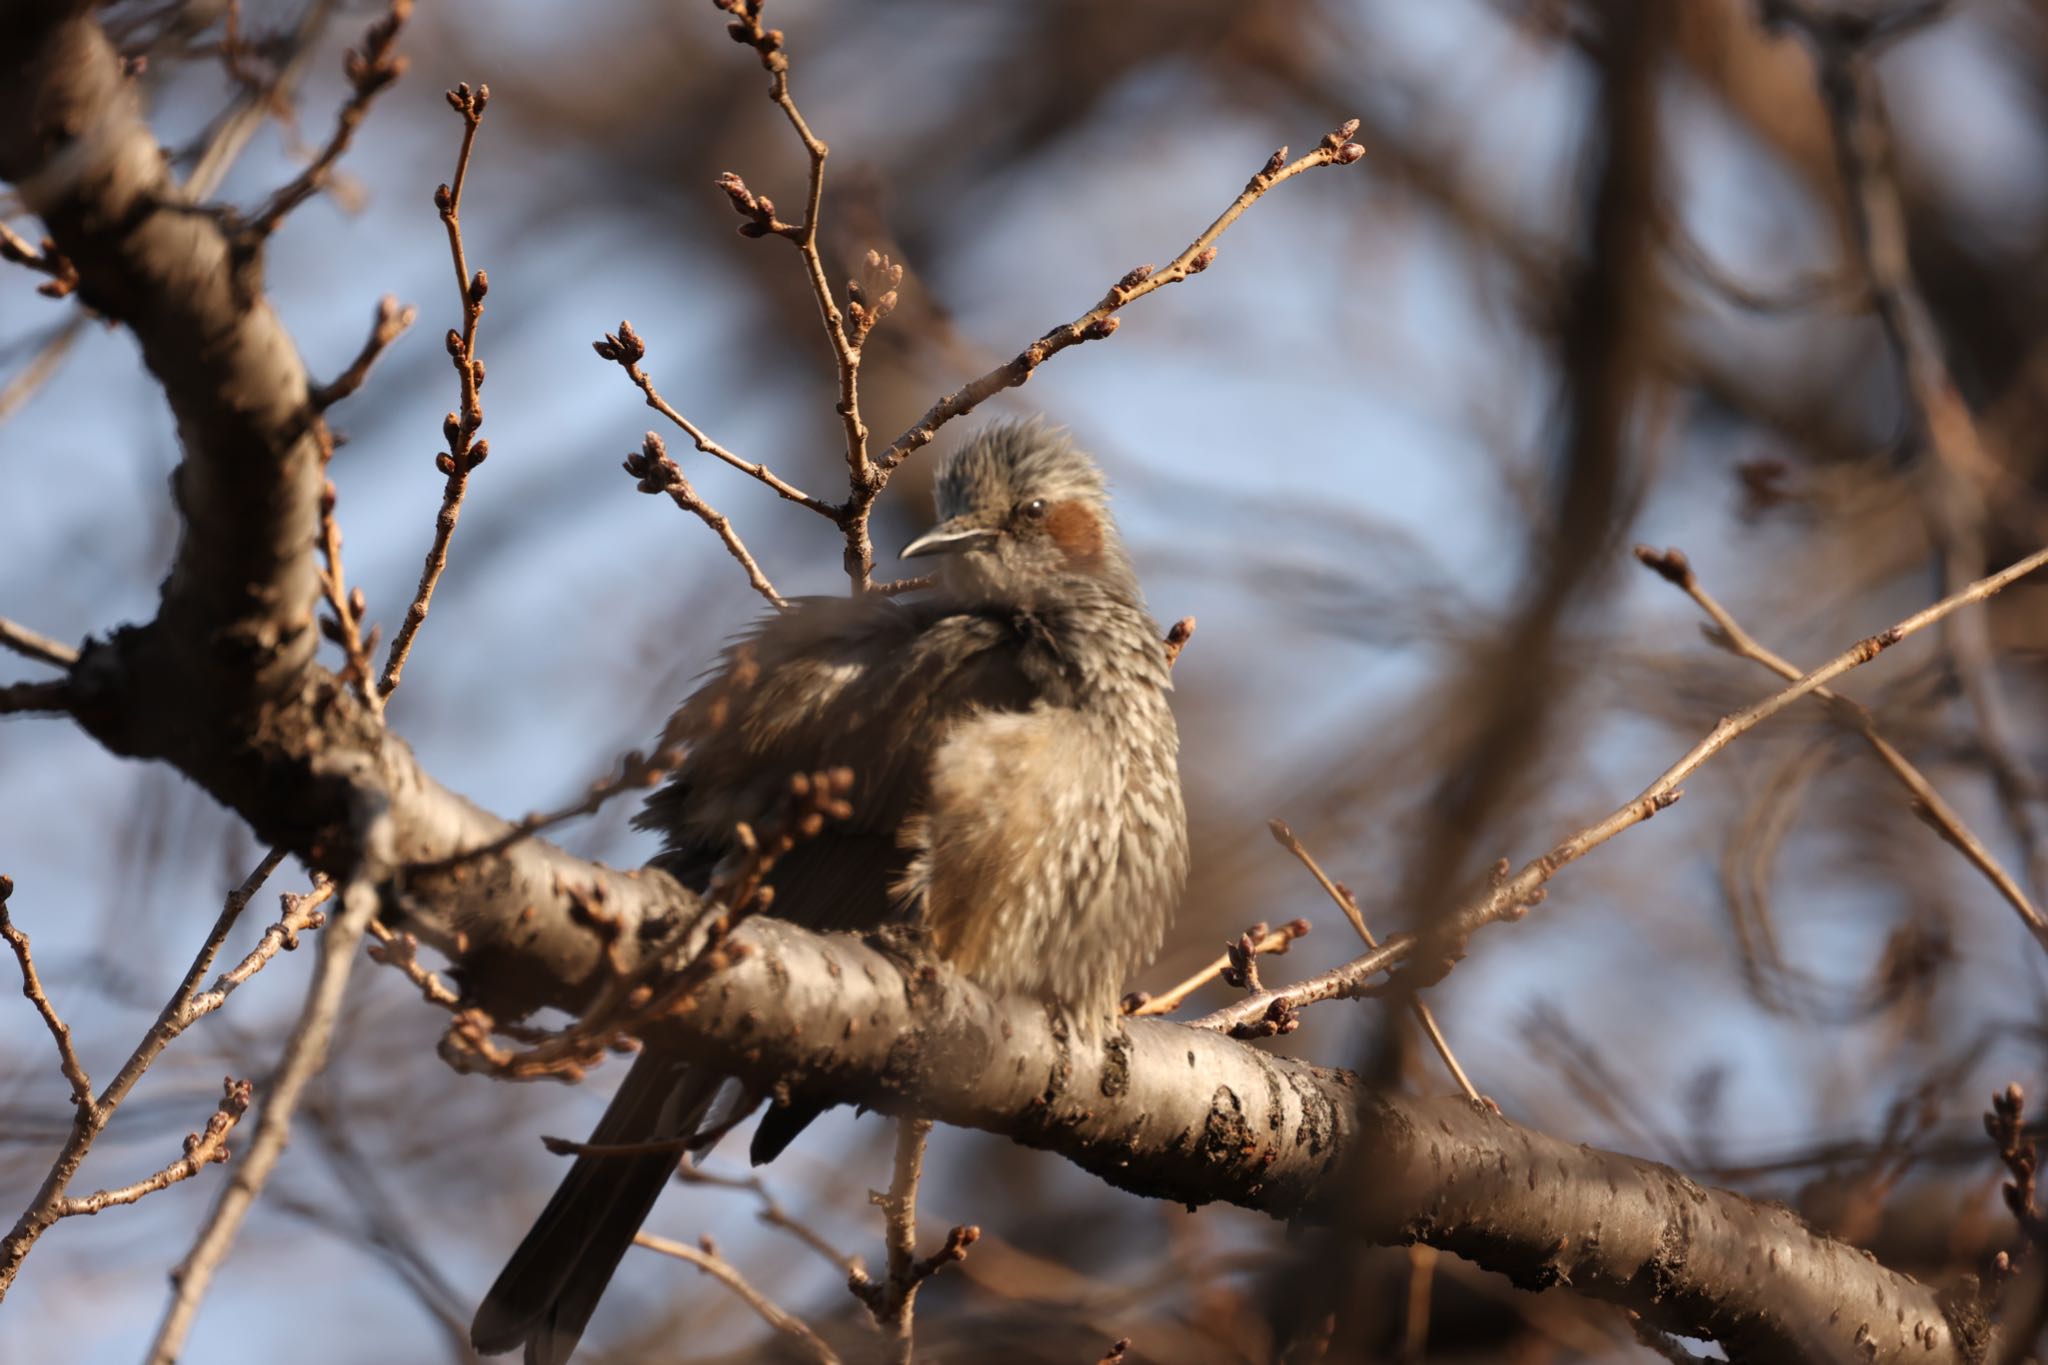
[1035,509]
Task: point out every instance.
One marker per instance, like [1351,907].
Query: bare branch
[459,428]
[626,349]
[1336,149]
[32,987]
[1511,897]
[224,144]
[400,951]
[346,607]
[1675,568]
[370,72]
[1275,943]
[768,45]
[1345,902]
[1960,468]
[46,261]
[32,697]
[389,325]
[30,644]
[657,473]
[772,1213]
[90,1120]
[893,1300]
[202,1149]
[1191,1115]
[707,1259]
[305,1053]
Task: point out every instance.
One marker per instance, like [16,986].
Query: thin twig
[47,261]
[32,987]
[370,72]
[202,1149]
[1421,1277]
[892,1300]
[627,999]
[2005,1124]
[707,1259]
[304,1054]
[1353,980]
[31,697]
[772,1213]
[347,606]
[389,325]
[767,43]
[401,951]
[1935,407]
[658,473]
[1336,149]
[30,644]
[229,137]
[459,428]
[30,378]
[17,248]
[1510,897]
[636,772]
[1347,903]
[627,350]
[871,298]
[1675,568]
[300,913]
[1272,943]
[179,1013]
[1844,50]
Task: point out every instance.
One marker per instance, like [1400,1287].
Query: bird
[1016,792]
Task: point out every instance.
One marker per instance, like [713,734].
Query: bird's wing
[869,684]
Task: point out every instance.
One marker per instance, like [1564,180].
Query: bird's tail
[548,1290]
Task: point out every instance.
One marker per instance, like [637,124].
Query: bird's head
[1021,509]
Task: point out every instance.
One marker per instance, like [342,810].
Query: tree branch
[459,428]
[708,1260]
[185,1007]
[237,608]
[1193,1116]
[305,1053]
[35,645]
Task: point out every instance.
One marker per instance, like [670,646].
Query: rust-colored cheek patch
[1076,529]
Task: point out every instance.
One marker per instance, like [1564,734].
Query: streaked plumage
[1015,786]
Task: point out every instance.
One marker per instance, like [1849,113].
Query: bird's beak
[949,538]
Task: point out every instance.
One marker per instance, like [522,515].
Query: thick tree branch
[1193,1116]
[239,601]
[223,684]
